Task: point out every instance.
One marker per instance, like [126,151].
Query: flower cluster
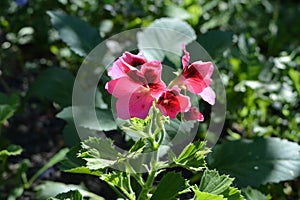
[137,83]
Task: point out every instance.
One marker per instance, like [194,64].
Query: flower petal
[122,107]
[208,95]
[126,62]
[136,104]
[140,103]
[123,86]
[197,76]
[171,102]
[185,58]
[193,114]
[152,71]
[157,89]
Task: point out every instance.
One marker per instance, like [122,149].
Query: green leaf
[212,182]
[261,161]
[252,194]
[233,194]
[54,84]
[169,186]
[215,42]
[8,106]
[54,160]
[118,179]
[218,186]
[103,121]
[175,11]
[164,37]
[11,150]
[72,195]
[15,193]
[76,33]
[192,157]
[70,135]
[73,164]
[295,76]
[50,189]
[99,153]
[207,196]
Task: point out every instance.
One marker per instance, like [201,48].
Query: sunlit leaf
[176,12]
[99,153]
[213,183]
[164,37]
[11,150]
[295,76]
[207,196]
[193,156]
[73,195]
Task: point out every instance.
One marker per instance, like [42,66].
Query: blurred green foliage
[254,44]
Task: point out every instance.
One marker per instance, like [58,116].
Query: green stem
[161,126]
[129,185]
[144,193]
[148,185]
[139,179]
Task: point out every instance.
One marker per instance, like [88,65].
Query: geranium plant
[146,105]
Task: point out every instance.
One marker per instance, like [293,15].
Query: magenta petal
[184,101]
[195,85]
[197,76]
[185,58]
[123,86]
[157,89]
[125,63]
[152,71]
[171,102]
[122,107]
[140,103]
[136,104]
[193,114]
[133,60]
[205,69]
[208,95]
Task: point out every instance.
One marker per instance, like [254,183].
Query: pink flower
[193,114]
[126,63]
[197,77]
[136,89]
[171,102]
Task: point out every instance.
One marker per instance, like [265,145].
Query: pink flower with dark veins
[136,89]
[193,114]
[197,77]
[125,63]
[171,102]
